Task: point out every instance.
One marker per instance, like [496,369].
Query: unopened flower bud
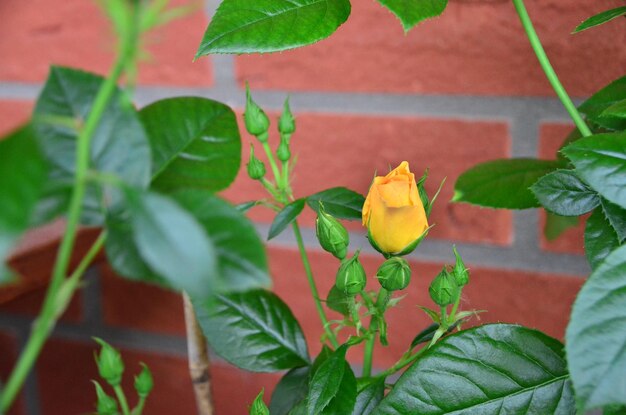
[283,153]
[351,276]
[110,364]
[394,274]
[257,122]
[286,122]
[105,404]
[331,234]
[144,382]
[255,167]
[443,290]
[460,272]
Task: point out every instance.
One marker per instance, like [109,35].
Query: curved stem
[119,392]
[406,360]
[368,353]
[274,166]
[309,275]
[548,70]
[50,309]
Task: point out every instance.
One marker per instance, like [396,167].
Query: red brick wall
[455,91]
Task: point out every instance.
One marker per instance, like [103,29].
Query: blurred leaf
[253,330]
[241,258]
[563,193]
[285,217]
[22,176]
[595,106]
[496,368]
[555,225]
[616,110]
[249,26]
[338,301]
[195,143]
[502,183]
[173,244]
[600,18]
[339,202]
[244,207]
[596,336]
[411,12]
[600,238]
[119,145]
[600,161]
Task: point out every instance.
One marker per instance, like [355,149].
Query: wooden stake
[198,360]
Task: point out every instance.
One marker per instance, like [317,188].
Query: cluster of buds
[257,124]
[111,369]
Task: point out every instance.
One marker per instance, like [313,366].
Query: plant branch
[51,308]
[309,274]
[548,70]
[198,360]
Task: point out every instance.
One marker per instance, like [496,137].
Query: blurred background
[453,92]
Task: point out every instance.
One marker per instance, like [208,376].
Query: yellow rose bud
[393,211]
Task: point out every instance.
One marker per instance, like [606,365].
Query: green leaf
[600,238]
[195,143]
[425,335]
[616,110]
[291,390]
[502,183]
[326,384]
[253,330]
[563,193]
[491,369]
[616,217]
[249,26]
[600,160]
[344,400]
[22,175]
[596,336]
[258,406]
[173,244]
[338,301]
[119,145]
[339,202]
[246,206]
[595,106]
[555,225]
[285,217]
[411,12]
[600,18]
[241,258]
[369,398]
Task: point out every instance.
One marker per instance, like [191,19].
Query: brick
[346,150]
[8,356]
[476,47]
[13,113]
[30,303]
[551,138]
[536,300]
[137,305]
[65,370]
[75,33]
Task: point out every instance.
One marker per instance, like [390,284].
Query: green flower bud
[144,382]
[460,272]
[351,276]
[283,153]
[110,363]
[105,405]
[331,234]
[286,122]
[255,118]
[256,168]
[444,290]
[394,274]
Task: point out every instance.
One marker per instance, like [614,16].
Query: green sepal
[258,406]
[110,363]
[105,404]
